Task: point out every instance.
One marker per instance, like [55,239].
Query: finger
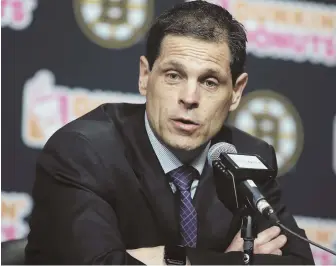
[277,252]
[236,244]
[267,235]
[273,245]
[238,235]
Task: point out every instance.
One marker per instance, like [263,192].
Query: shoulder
[101,127]
[92,125]
[96,138]
[86,150]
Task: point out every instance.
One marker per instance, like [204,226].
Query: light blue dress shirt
[170,162]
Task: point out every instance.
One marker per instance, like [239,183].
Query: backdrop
[61,59]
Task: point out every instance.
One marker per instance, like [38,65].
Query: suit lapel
[202,200]
[154,182]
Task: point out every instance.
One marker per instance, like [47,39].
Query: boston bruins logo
[114,23]
[271,117]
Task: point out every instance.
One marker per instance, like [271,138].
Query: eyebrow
[174,64]
[214,72]
[180,67]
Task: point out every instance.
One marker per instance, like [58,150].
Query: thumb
[236,244]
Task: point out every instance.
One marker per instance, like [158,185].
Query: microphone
[242,167]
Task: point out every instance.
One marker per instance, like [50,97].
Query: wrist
[175,255]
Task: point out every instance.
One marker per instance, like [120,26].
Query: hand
[148,256]
[267,242]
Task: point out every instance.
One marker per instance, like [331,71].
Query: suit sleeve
[295,251]
[72,222]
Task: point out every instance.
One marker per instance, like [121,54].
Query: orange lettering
[327,22]
[323,236]
[240,10]
[260,12]
[8,210]
[298,18]
[281,16]
[80,105]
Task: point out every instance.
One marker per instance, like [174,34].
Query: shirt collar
[167,159]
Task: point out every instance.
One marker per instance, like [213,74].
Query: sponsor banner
[114,24]
[48,106]
[15,207]
[323,232]
[17,14]
[289,30]
[272,117]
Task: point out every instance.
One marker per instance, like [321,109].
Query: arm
[72,222]
[267,245]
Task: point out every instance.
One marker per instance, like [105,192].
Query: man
[108,185]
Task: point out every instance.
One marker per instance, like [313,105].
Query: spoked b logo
[114,24]
[273,118]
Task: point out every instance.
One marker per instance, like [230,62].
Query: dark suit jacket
[100,190]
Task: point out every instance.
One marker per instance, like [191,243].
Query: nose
[189,96]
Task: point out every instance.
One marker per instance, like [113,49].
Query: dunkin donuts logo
[15,207]
[323,232]
[48,106]
[290,30]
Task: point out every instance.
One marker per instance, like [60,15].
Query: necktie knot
[184,176]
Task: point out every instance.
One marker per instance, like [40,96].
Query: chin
[184,144]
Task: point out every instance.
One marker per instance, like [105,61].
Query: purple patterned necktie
[183,178]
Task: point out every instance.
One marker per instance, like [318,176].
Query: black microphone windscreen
[218,148]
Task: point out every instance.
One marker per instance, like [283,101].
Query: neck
[187,156]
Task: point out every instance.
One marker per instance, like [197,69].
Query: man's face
[189,91]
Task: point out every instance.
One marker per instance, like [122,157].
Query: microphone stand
[248,233]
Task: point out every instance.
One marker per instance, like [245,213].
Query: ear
[238,90]
[143,75]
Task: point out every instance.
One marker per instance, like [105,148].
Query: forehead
[190,52]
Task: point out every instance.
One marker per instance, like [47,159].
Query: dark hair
[204,21]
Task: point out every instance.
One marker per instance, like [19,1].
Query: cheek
[160,100]
[216,114]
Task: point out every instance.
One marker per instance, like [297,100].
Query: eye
[211,83]
[173,75]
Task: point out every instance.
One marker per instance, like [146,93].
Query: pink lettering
[309,46]
[18,10]
[315,41]
[9,232]
[4,6]
[57,99]
[259,37]
[300,44]
[330,48]
[282,41]
[225,4]
[321,258]
[323,46]
[64,109]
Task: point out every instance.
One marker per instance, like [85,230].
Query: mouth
[185,121]
[185,125]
